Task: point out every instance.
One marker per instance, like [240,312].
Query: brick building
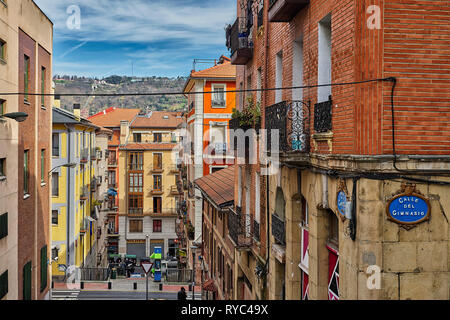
[26,40]
[345,158]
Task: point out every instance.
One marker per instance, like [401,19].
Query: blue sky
[160,37]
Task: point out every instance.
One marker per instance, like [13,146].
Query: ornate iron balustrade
[323,116]
[278,230]
[291,119]
[135,211]
[240,228]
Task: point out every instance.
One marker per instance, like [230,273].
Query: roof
[111,117]
[158,119]
[105,130]
[149,146]
[62,116]
[218,186]
[224,70]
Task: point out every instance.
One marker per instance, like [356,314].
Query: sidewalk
[124,285]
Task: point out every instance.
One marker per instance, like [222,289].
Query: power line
[196,92]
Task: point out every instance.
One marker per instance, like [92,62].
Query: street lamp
[18,116]
[193,248]
[66,165]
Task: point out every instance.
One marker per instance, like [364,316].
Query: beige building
[26,42]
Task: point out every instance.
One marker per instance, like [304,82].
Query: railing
[239,228]
[179,275]
[165,212]
[93,153]
[135,211]
[278,229]
[84,156]
[174,190]
[136,166]
[157,190]
[94,184]
[112,185]
[291,119]
[323,116]
[112,162]
[239,42]
[94,274]
[174,168]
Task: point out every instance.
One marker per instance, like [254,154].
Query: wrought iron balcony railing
[239,42]
[323,116]
[135,211]
[285,10]
[240,228]
[291,119]
[278,229]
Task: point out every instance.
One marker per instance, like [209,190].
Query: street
[116,295]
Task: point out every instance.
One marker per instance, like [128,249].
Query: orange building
[207,125]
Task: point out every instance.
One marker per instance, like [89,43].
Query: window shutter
[43,268]
[3,225]
[3,284]
[27,281]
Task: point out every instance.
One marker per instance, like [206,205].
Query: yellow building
[73,186]
[148,196]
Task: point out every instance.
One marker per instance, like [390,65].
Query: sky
[99,38]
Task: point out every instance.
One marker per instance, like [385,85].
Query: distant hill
[117,84]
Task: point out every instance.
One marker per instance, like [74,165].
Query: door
[137,249]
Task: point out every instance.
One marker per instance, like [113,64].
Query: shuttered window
[3,284]
[3,225]
[27,281]
[43,268]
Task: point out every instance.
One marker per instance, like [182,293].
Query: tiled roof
[225,70]
[149,146]
[111,117]
[158,119]
[218,186]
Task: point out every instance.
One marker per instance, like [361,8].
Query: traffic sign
[146,265]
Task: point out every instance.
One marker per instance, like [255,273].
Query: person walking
[182,294]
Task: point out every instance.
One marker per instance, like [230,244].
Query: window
[26,276]
[218,97]
[55,145]
[157,205]
[136,160]
[2,50]
[55,217]
[136,182]
[157,225]
[157,137]
[157,161]
[157,182]
[43,77]
[137,137]
[3,225]
[55,184]
[55,253]
[218,138]
[136,226]
[112,179]
[3,284]
[279,77]
[44,268]
[26,172]
[324,64]
[26,77]
[135,204]
[43,166]
[2,107]
[112,158]
[2,168]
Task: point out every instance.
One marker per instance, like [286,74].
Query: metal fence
[93,274]
[178,275]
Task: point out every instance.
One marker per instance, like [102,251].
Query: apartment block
[350,153]
[26,40]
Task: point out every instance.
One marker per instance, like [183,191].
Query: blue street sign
[341,201]
[408,209]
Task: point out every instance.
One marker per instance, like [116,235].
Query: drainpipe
[325,192]
[69,160]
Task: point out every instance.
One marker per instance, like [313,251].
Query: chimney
[77,110]
[124,131]
[57,101]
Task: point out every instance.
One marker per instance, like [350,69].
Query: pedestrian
[182,294]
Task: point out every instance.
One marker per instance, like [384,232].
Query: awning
[209,286]
[114,255]
[112,192]
[130,256]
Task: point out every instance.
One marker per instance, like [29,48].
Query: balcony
[164,213]
[291,119]
[112,162]
[84,156]
[135,211]
[174,169]
[94,184]
[285,10]
[239,228]
[94,154]
[156,169]
[239,42]
[174,191]
[84,193]
[278,229]
[157,190]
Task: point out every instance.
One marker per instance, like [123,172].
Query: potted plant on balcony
[249,118]
[190,230]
